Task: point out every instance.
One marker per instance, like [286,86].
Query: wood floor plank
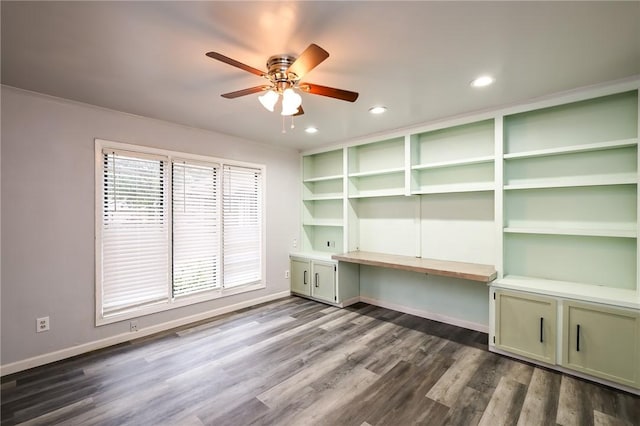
[602,419]
[574,407]
[451,384]
[505,404]
[469,408]
[298,362]
[541,401]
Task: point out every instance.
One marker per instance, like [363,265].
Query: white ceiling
[417,58]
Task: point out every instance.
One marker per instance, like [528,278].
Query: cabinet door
[301,276]
[324,281]
[526,325]
[603,342]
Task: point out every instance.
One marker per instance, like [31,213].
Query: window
[173,229]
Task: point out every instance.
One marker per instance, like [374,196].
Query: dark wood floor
[298,362]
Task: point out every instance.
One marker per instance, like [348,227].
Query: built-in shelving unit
[454,159]
[571,199]
[539,200]
[323,195]
[376,169]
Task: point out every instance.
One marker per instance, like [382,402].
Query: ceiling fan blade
[308,60]
[244,92]
[233,62]
[300,111]
[331,92]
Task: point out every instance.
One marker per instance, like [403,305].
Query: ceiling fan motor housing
[277,71]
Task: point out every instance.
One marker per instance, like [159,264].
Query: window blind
[135,253]
[196,229]
[242,213]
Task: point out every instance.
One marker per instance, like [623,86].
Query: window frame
[171,302]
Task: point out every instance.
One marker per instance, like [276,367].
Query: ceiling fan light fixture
[291,101]
[268,100]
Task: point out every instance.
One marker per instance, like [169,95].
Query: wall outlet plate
[42,324]
[286,274]
[133,326]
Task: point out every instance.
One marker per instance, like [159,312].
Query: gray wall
[48,215]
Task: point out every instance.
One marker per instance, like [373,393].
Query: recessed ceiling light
[482,81]
[311,130]
[378,110]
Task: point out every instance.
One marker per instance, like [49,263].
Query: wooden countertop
[446,268]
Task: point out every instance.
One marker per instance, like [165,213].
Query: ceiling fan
[284,73]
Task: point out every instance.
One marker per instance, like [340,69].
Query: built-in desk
[446,268]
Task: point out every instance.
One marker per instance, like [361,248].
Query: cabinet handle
[578,338]
[541,326]
[304,280]
[317,279]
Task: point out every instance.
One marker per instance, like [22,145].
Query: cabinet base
[342,304]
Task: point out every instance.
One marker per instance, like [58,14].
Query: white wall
[47,201]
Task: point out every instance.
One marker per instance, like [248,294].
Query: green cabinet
[300,276]
[324,281]
[314,278]
[526,325]
[602,341]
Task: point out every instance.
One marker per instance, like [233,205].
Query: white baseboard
[428,315]
[61,354]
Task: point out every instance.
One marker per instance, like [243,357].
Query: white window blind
[242,221]
[196,228]
[135,249]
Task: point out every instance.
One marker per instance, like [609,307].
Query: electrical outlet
[295,243]
[286,274]
[133,326]
[42,324]
[331,243]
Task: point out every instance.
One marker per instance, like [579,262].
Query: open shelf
[323,222]
[613,233]
[383,157]
[590,123]
[323,197]
[322,238]
[454,188]
[574,181]
[378,172]
[323,178]
[462,162]
[573,149]
[377,185]
[571,290]
[378,193]
[595,260]
[322,166]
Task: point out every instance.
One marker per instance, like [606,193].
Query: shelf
[325,222]
[323,198]
[573,149]
[571,290]
[468,161]
[446,268]
[377,172]
[373,194]
[313,255]
[566,182]
[453,188]
[323,178]
[615,233]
